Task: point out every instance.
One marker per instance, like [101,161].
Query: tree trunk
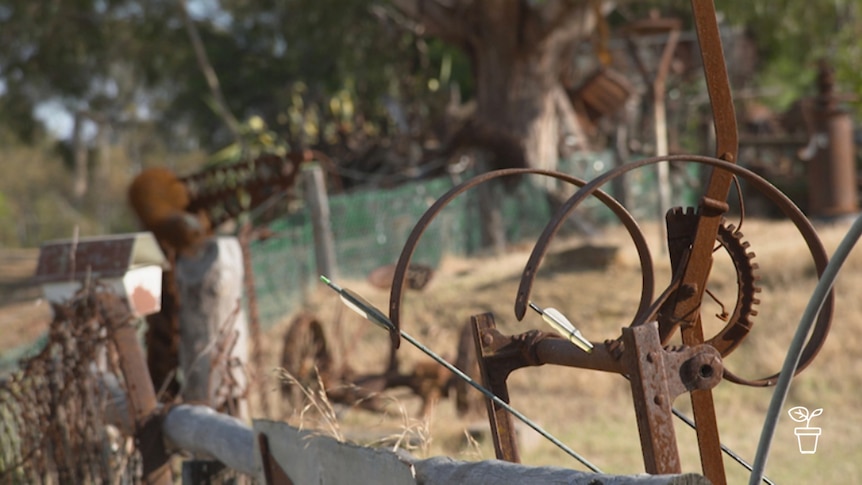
[518,81]
[518,54]
[515,102]
[493,230]
[518,50]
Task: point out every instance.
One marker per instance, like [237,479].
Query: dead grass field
[591,411]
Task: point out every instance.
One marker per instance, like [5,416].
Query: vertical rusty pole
[644,363]
[142,396]
[502,427]
[832,174]
[711,208]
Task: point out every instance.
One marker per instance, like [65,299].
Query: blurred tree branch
[220,104]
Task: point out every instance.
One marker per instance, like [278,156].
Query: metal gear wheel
[681,227]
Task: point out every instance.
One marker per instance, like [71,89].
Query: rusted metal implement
[225,191]
[307,358]
[658,373]
[182,212]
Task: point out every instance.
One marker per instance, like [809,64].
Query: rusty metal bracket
[657,377]
[498,356]
[494,378]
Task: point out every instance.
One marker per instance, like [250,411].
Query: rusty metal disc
[306,357]
[681,227]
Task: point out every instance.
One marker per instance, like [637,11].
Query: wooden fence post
[142,405]
[318,202]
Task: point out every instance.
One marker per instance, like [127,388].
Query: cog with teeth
[681,228]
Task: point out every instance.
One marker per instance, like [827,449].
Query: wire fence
[371,227]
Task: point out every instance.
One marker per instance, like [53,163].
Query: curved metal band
[429,215]
[815,246]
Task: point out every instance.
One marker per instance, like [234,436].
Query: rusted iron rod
[502,427]
[559,351]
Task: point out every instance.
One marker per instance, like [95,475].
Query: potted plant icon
[806,436]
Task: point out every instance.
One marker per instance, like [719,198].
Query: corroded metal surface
[658,374]
[224,192]
[310,370]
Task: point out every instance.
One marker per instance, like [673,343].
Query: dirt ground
[590,411]
[24,315]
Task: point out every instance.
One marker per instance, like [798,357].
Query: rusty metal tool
[657,377]
[673,372]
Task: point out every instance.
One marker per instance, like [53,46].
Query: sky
[59,121]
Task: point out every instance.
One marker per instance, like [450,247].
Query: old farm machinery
[657,371]
[643,353]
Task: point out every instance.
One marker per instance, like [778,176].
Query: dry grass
[591,411]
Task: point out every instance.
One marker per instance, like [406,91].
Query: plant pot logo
[806,436]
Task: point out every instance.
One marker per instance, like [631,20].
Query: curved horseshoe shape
[625,217]
[815,246]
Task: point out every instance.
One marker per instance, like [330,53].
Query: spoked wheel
[306,358]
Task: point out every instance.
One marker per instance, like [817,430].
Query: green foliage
[343,76]
[792,35]
[322,74]
[255,139]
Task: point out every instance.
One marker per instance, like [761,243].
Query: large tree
[517,49]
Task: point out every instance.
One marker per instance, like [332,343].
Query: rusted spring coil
[625,217]
[815,246]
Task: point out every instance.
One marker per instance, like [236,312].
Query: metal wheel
[681,227]
[306,358]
